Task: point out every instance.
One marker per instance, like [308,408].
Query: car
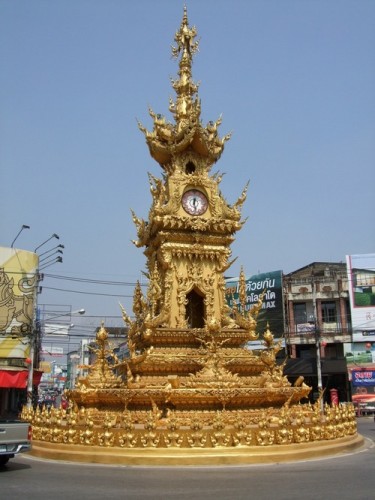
[366,408]
[15,437]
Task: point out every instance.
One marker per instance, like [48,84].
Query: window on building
[299,309]
[329,312]
[306,351]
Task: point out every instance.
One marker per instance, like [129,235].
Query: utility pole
[33,342]
[317,345]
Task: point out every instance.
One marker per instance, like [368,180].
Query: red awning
[17,379]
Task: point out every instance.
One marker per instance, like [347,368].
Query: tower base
[242,455]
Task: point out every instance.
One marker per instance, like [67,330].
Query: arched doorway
[195,313]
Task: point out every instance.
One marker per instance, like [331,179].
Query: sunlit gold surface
[192,391]
[196,456]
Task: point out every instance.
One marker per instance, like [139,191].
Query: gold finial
[185,39]
[102,334]
[268,337]
[185,108]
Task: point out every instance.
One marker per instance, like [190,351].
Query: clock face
[194,202]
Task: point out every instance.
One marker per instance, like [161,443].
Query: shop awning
[17,379]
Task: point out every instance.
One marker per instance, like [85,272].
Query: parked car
[365,408]
[368,409]
[15,437]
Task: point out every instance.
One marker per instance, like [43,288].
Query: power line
[86,293]
[89,280]
[81,280]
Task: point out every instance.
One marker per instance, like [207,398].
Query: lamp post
[24,226]
[48,263]
[47,240]
[50,250]
[43,259]
[33,341]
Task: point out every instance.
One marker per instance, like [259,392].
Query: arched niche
[195,309]
[190,168]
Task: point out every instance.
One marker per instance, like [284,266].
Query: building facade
[18,290]
[318,326]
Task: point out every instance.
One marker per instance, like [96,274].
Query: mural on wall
[18,278]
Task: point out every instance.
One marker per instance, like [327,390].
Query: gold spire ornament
[191,391]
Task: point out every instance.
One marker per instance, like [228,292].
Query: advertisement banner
[58,329]
[52,350]
[361,278]
[272,311]
[363,378]
[18,279]
[360,354]
[363,387]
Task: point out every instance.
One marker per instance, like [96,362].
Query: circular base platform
[241,455]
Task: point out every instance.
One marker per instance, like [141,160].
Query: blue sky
[294,81]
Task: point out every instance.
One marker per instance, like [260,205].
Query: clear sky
[293,79]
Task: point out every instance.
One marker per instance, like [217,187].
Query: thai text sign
[272,306]
[363,378]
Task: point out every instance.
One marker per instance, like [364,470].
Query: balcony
[305,333]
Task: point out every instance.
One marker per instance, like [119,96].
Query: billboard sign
[361,278]
[18,282]
[52,350]
[58,329]
[363,378]
[272,311]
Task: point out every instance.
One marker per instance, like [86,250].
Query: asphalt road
[344,477]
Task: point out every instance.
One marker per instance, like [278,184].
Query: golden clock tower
[191,390]
[190,226]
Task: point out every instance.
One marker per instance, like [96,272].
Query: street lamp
[43,259]
[44,242]
[19,232]
[50,262]
[32,353]
[50,250]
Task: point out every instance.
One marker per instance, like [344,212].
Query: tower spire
[184,38]
[187,132]
[186,107]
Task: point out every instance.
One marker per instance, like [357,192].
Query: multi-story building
[19,378]
[318,324]
[77,363]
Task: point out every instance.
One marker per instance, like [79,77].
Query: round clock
[194,202]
